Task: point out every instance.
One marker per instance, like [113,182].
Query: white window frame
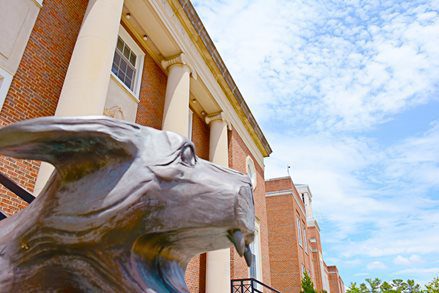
[299,232]
[251,171]
[5,84]
[256,250]
[140,57]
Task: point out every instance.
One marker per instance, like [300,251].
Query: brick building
[294,239]
[336,284]
[145,61]
[290,253]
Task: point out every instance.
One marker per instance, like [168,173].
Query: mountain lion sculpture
[125,210]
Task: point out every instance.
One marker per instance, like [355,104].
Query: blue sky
[347,92]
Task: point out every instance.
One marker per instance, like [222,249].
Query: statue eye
[188,156]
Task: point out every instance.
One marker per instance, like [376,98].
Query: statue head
[138,198]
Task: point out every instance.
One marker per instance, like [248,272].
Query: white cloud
[376,265]
[361,274]
[336,66]
[435,271]
[406,261]
[361,192]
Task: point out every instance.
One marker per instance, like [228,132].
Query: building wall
[284,262]
[335,282]
[152,94]
[37,84]
[316,247]
[238,153]
[287,256]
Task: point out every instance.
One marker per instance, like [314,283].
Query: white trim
[124,87]
[258,253]
[191,121]
[140,56]
[5,83]
[286,192]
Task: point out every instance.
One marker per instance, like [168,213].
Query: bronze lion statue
[125,210]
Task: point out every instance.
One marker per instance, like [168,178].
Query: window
[299,231]
[303,197]
[305,241]
[5,83]
[255,268]
[251,171]
[128,62]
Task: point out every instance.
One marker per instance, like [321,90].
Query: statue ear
[64,141]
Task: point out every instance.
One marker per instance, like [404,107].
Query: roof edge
[227,83]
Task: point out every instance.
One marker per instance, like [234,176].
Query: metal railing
[250,285]
[16,189]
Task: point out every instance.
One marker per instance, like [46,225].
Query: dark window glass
[124,64]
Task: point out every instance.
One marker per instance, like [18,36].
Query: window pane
[126,52]
[124,64]
[120,44]
[133,59]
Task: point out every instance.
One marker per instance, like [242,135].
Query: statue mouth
[241,245]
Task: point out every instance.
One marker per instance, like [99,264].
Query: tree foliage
[395,286]
[307,284]
[433,286]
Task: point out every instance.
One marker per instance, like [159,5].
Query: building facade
[294,239]
[336,284]
[290,251]
[145,61]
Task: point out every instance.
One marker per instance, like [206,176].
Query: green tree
[412,287]
[353,288]
[363,288]
[386,288]
[307,284]
[374,285]
[399,286]
[433,286]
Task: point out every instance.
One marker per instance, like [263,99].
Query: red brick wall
[313,232]
[238,153]
[38,82]
[286,254]
[284,262]
[200,137]
[335,283]
[152,95]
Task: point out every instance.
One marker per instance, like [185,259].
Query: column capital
[179,59]
[218,116]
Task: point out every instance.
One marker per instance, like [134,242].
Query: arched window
[251,171]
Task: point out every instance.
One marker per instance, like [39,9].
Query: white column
[176,110]
[85,87]
[218,261]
